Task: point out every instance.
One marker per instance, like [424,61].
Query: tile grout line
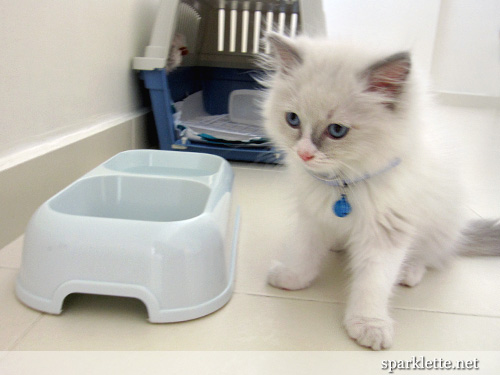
[447,312]
[25,332]
[253,294]
[392,308]
[479,216]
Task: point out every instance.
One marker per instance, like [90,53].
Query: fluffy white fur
[177,50]
[402,221]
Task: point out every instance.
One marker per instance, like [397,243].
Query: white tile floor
[456,309]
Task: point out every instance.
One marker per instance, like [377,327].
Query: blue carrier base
[217,83]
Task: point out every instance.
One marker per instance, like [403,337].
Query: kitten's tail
[481,237]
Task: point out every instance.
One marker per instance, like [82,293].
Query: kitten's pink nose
[305,155]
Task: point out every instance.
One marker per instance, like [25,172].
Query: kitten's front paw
[280,276]
[370,332]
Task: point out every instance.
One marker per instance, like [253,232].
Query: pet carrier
[199,68]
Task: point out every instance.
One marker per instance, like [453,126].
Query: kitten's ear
[389,76]
[284,52]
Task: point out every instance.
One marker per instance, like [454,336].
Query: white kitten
[353,125]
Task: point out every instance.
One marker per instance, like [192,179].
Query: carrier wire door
[222,39]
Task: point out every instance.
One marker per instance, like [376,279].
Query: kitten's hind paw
[412,275]
[370,332]
[282,277]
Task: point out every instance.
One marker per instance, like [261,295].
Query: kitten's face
[331,111]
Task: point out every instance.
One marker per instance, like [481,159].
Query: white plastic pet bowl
[154,225]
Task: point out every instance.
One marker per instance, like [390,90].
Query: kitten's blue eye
[337,131]
[292,119]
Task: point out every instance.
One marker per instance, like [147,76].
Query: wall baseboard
[26,185]
[467,100]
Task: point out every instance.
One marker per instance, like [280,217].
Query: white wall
[467,50]
[456,41]
[66,67]
[405,24]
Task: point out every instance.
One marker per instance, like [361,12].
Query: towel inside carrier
[199,68]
